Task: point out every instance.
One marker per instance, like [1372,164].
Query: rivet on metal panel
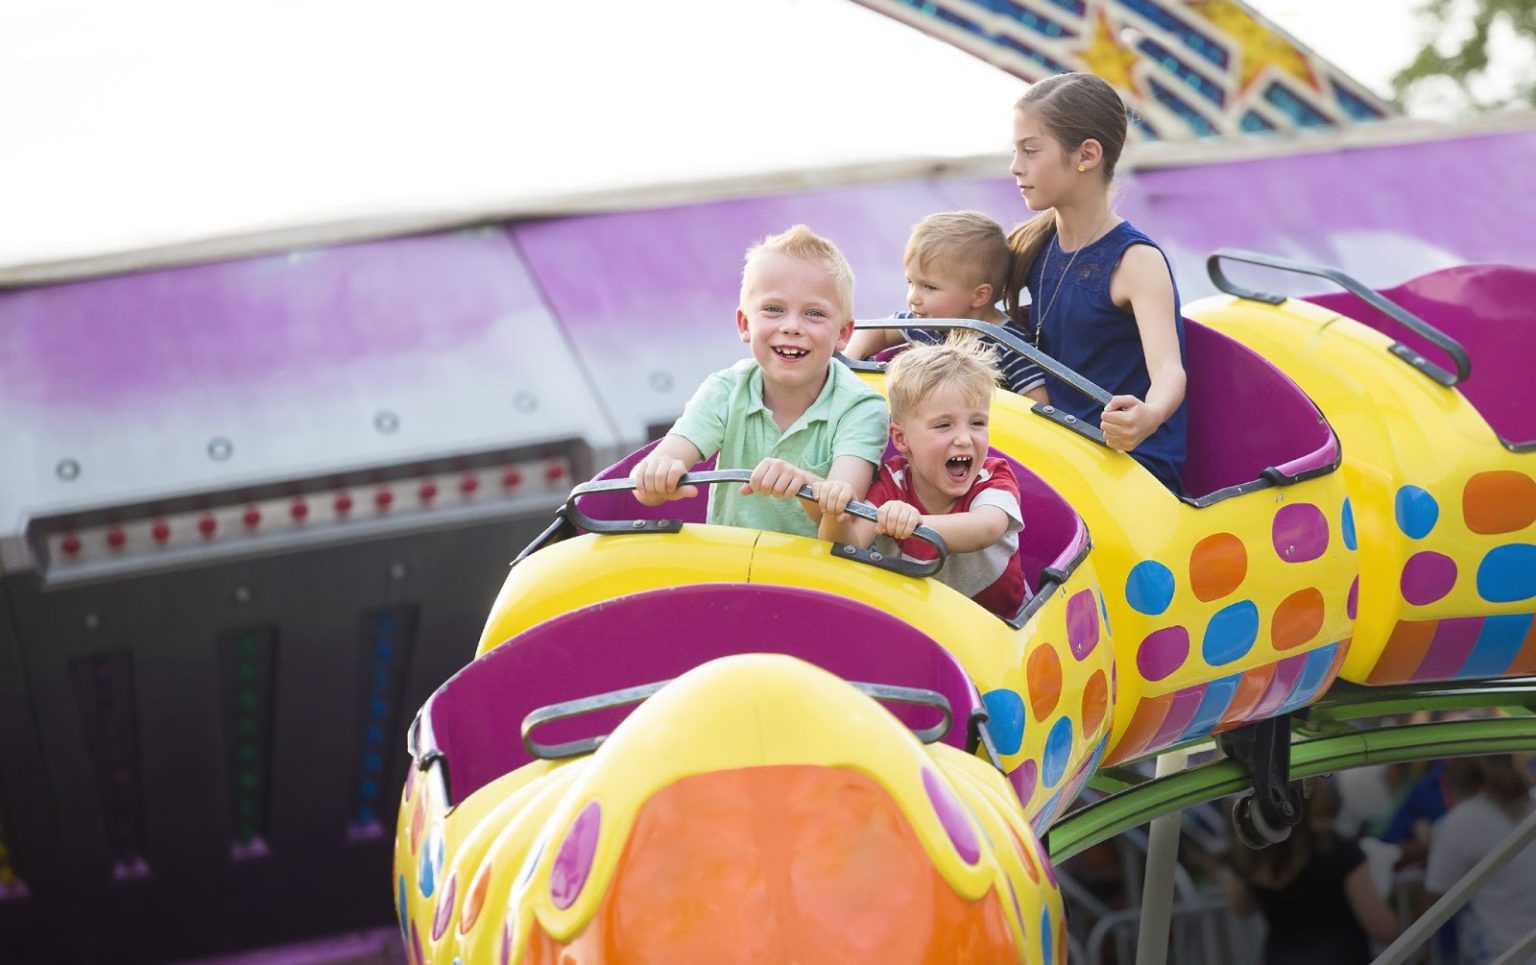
[242,593]
[67,470]
[661,381]
[220,448]
[525,402]
[397,571]
[91,621]
[386,422]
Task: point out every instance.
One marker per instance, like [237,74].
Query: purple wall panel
[288,357]
[241,323]
[649,297]
[1383,213]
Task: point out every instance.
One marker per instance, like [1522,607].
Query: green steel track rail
[1325,741]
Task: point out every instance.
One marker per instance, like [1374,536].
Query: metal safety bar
[896,563]
[568,709]
[1365,293]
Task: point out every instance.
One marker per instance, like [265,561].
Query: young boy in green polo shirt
[791,414]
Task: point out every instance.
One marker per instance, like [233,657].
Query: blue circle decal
[1005,710]
[1507,573]
[1348,525]
[1058,744]
[1417,512]
[1231,633]
[1149,587]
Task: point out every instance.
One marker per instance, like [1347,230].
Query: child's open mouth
[958,468]
[790,353]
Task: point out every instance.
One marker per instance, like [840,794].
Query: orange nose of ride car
[788,863]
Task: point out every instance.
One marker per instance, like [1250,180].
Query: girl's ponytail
[1024,245]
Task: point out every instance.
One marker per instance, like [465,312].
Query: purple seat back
[623,505]
[476,716]
[1488,309]
[1245,416]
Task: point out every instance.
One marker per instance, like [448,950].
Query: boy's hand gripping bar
[896,564]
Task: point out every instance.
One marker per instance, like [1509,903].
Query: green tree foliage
[1466,60]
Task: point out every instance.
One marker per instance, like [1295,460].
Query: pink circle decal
[1427,577]
[573,862]
[1082,624]
[1300,533]
[952,816]
[1162,652]
[444,908]
[1024,777]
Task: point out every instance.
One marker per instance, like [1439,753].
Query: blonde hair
[965,364]
[1072,108]
[803,243]
[966,240]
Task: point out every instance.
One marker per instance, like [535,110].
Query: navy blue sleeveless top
[1087,332]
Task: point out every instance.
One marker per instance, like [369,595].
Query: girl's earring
[1081,168]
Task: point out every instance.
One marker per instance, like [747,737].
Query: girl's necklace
[1061,283]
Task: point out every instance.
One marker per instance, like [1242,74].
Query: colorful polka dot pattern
[1457,649]
[1069,716]
[1493,503]
[1219,567]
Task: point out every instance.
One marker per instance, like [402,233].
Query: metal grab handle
[1370,296]
[568,709]
[1003,337]
[863,510]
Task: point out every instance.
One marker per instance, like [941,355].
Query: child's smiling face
[793,318]
[945,438]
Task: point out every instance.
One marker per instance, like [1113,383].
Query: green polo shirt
[727,415]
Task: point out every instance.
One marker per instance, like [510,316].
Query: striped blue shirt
[1019,373]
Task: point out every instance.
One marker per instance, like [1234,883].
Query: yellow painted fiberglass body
[1442,509]
[808,825]
[1221,610]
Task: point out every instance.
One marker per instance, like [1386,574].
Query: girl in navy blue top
[1102,298]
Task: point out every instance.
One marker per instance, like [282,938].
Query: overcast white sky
[125,125]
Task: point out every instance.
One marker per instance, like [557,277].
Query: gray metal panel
[316,878]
